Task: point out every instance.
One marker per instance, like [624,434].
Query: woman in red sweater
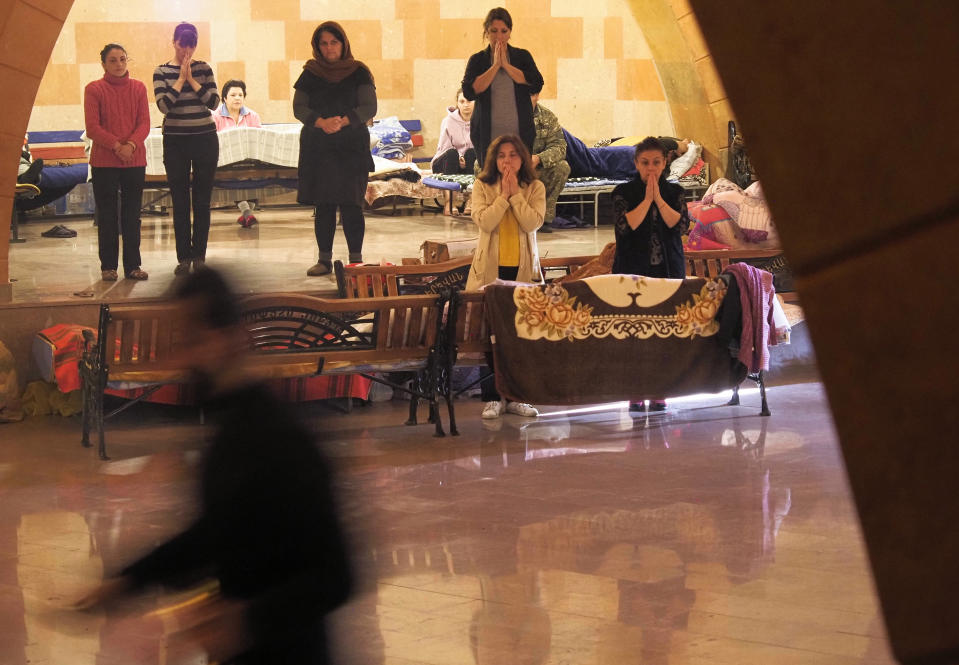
[118,122]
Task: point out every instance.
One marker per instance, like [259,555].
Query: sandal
[137,274]
[321,268]
[109,275]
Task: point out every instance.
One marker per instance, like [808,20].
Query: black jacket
[267,531]
[481,120]
[334,168]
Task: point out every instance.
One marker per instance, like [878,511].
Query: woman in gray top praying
[500,78]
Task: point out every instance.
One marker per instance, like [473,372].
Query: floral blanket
[608,338]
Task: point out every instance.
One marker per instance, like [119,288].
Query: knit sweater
[116,110]
[186,112]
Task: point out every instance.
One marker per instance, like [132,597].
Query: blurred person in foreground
[268,531]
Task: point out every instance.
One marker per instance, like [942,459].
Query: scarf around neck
[334,72]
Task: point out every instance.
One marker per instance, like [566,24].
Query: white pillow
[685,161]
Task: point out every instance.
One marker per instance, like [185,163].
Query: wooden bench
[291,335]
[375,281]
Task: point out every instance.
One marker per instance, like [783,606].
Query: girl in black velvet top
[650,218]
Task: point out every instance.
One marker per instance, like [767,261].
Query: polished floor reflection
[584,537]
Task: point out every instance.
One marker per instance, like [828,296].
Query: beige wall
[612,67]
[600,75]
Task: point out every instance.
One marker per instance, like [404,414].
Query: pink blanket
[756,294]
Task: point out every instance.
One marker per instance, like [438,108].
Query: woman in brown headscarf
[334,99]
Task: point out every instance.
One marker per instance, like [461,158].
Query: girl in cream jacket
[508,207]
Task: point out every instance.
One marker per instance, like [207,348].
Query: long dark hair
[490,173]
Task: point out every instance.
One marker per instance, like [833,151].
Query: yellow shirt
[509,240]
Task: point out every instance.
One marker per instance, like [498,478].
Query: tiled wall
[600,75]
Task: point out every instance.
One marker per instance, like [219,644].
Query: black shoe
[546,228]
[637,407]
[32,175]
[59,231]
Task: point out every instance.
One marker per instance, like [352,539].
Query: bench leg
[734,400]
[98,422]
[437,421]
[416,383]
[761,380]
[87,394]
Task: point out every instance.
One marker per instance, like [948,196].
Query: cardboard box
[437,251]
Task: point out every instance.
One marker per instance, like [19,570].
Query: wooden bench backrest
[470,328]
[346,333]
[710,263]
[139,337]
[387,281]
[564,264]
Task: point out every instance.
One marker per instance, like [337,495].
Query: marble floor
[708,535]
[271,256]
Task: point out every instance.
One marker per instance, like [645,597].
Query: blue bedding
[614,162]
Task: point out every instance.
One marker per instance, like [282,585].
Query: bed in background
[258,159]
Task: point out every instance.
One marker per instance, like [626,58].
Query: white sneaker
[521,409]
[493,410]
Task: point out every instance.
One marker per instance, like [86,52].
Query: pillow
[686,161]
[721,185]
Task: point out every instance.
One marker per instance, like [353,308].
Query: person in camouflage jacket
[549,157]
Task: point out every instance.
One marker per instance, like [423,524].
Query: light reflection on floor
[705,535]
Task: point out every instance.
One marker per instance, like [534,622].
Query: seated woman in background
[455,153]
[232,113]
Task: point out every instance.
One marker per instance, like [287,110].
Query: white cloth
[272,144]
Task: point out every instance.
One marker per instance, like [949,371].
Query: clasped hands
[125,151]
[652,189]
[500,54]
[186,69]
[333,124]
[508,184]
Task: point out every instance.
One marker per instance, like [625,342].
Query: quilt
[609,338]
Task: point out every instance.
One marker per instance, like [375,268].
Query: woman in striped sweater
[185,94]
[117,118]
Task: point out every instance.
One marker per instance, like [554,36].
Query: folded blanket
[608,338]
[756,295]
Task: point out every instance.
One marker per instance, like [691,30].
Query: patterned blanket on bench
[609,338]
